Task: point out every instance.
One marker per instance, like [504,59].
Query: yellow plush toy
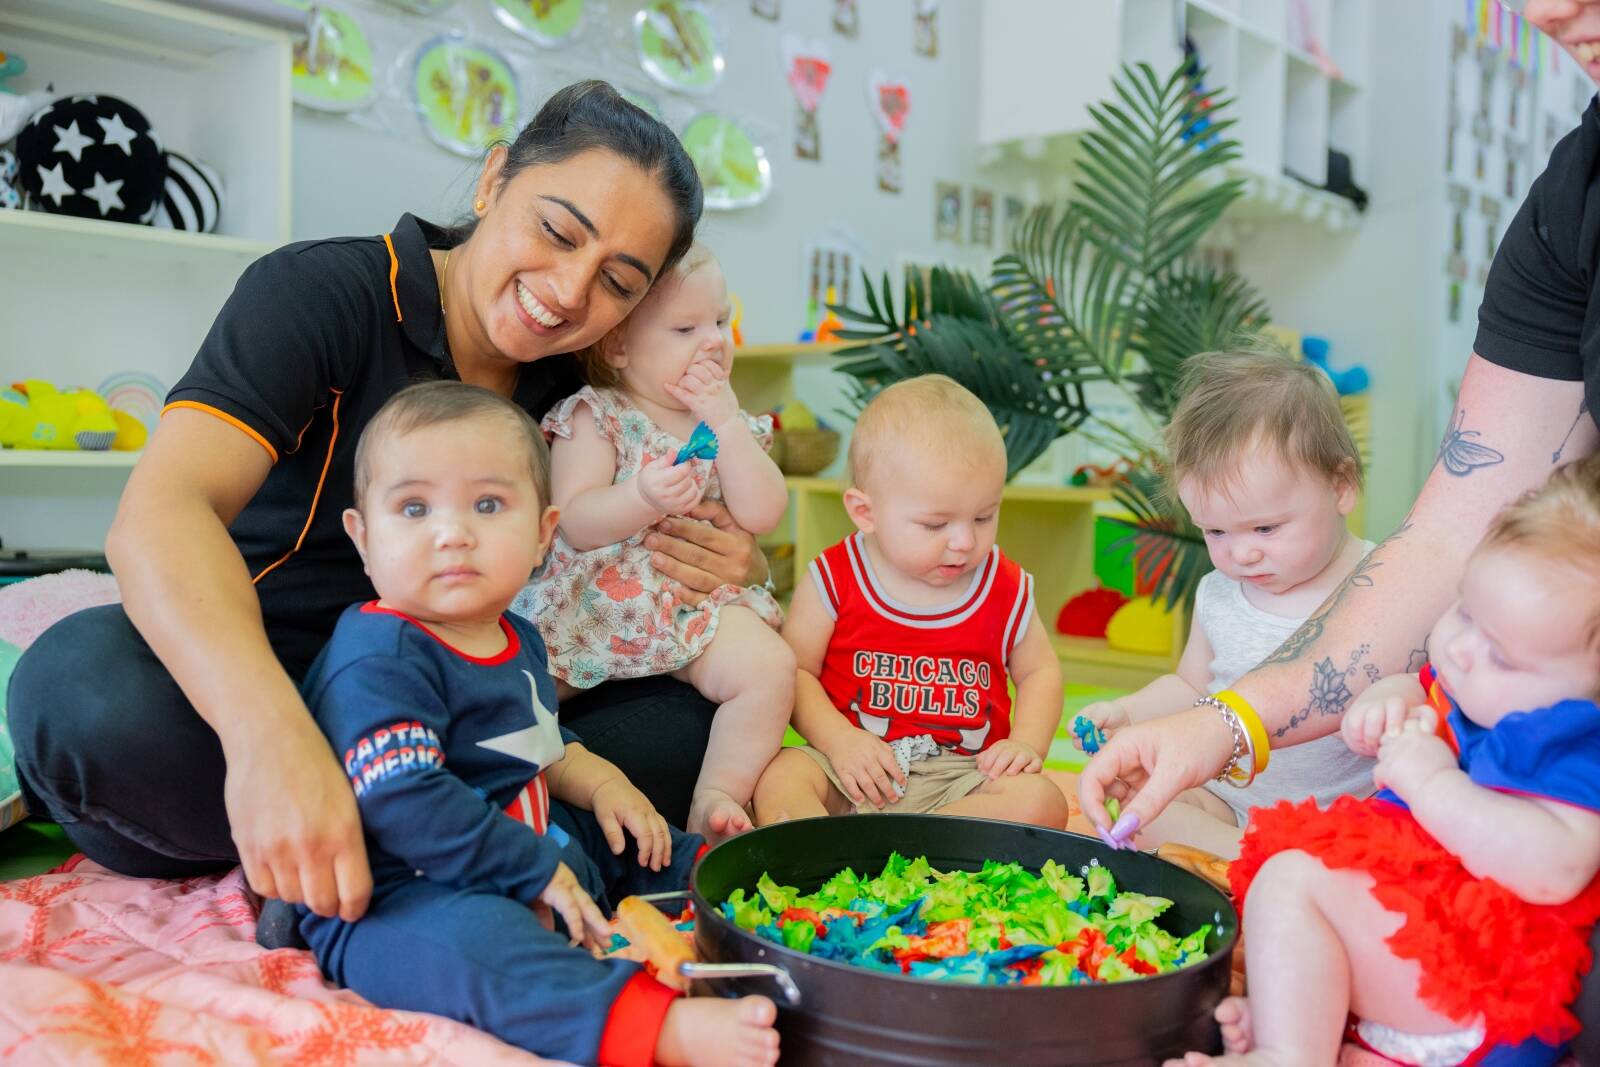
[1141,625]
[35,414]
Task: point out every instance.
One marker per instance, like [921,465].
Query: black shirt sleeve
[1537,296]
[289,335]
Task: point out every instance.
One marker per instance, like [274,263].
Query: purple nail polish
[1107,838]
[1125,828]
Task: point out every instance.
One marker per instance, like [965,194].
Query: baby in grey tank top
[1261,458]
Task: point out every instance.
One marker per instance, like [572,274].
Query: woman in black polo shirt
[167,734]
[1529,401]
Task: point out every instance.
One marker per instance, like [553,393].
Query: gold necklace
[444,280]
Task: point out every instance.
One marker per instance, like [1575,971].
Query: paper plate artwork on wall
[550,23]
[733,169]
[422,7]
[465,94]
[332,67]
[889,101]
[806,67]
[678,46]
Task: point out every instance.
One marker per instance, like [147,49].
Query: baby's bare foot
[713,1032]
[1233,1015]
[716,816]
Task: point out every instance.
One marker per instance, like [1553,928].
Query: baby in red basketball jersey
[910,629]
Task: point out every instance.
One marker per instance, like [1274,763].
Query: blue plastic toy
[702,445]
[1090,736]
[1347,382]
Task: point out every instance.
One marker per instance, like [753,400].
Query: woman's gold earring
[480,205]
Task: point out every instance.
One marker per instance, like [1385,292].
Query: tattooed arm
[1507,430]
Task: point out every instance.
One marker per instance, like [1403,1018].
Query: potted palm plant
[1104,288]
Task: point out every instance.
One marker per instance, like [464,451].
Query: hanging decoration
[465,95]
[846,18]
[678,46]
[332,66]
[733,169]
[982,218]
[890,102]
[946,211]
[548,23]
[925,27]
[422,7]
[806,66]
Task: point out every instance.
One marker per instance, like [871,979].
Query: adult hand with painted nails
[1145,766]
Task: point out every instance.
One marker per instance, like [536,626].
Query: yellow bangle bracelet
[1261,749]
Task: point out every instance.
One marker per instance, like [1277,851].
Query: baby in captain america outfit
[909,630]
[485,822]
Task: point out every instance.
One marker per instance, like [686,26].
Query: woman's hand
[618,805]
[565,896]
[865,765]
[703,550]
[294,820]
[1009,757]
[668,488]
[1146,766]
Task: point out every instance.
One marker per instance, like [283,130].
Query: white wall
[354,178]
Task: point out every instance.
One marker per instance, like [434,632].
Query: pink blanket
[98,968]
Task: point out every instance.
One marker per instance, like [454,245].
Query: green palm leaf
[1194,308]
[1169,552]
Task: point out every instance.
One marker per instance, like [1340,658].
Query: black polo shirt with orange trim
[314,339]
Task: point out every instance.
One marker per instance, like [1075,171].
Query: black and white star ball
[191,199]
[92,156]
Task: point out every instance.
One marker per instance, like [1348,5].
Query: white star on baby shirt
[118,133]
[107,194]
[71,140]
[55,184]
[539,744]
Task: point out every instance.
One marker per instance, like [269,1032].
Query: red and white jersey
[898,671]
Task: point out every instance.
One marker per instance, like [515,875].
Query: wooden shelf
[1095,650]
[28,234]
[786,353]
[1055,494]
[28,457]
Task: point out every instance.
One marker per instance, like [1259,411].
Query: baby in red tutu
[1446,919]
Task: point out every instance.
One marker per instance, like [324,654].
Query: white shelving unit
[1043,62]
[85,298]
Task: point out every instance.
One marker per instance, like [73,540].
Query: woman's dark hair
[591,114]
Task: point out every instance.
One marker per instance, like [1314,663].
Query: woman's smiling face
[563,251]
[1572,24]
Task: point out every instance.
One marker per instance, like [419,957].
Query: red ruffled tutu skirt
[1483,951]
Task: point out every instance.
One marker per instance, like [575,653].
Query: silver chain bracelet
[1241,739]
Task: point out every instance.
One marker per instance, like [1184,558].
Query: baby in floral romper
[602,608]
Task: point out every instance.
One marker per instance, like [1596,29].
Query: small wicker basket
[803,452]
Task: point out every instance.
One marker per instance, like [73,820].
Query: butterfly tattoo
[1461,455]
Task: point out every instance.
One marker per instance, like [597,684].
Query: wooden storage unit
[87,298]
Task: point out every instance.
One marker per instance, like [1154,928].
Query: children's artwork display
[846,18]
[678,46]
[422,7]
[548,23]
[806,67]
[828,266]
[332,66]
[925,27]
[982,218]
[733,168]
[465,94]
[890,103]
[947,212]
